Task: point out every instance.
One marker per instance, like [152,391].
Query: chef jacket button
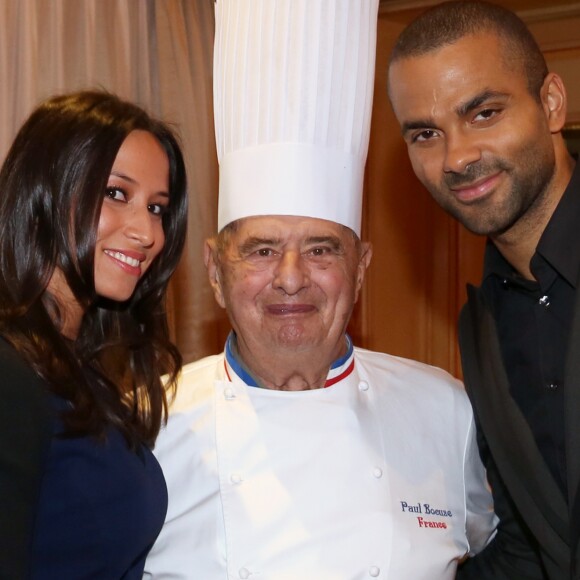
[236,478]
[363,386]
[378,472]
[229,394]
[374,571]
[244,573]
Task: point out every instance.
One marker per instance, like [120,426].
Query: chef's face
[288,283]
[477,138]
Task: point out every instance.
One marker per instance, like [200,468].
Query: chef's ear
[366,254]
[212,263]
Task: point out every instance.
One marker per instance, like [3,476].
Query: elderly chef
[294,455]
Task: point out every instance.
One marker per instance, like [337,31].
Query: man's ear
[554,101]
[212,263]
[363,264]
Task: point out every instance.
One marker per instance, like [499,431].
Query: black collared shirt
[534,319]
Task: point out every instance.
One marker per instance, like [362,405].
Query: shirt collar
[495,263]
[560,242]
[340,368]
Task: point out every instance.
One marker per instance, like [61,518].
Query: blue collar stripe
[237,367]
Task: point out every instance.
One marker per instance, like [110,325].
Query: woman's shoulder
[26,417]
[18,380]
[25,396]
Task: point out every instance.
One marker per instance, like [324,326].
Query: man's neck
[519,251]
[519,243]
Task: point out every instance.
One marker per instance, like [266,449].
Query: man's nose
[461,150]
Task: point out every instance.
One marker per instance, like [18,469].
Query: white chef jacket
[376,476]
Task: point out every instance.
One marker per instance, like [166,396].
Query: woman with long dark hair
[93,210]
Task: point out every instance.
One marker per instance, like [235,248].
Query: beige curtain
[157,53]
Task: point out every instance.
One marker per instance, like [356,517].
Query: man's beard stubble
[488,216]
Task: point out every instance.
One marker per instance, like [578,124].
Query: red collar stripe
[341,376]
[328,383]
[227,372]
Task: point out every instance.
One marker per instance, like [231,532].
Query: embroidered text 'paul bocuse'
[427,510]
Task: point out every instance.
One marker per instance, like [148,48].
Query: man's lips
[289,309]
[476,190]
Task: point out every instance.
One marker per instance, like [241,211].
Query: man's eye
[425,135]
[264,252]
[116,193]
[486,114]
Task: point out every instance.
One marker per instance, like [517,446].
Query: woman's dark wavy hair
[52,186]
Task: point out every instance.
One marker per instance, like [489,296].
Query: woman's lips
[128,261]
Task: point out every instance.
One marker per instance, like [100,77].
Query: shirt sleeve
[172,556]
[481,520]
[512,551]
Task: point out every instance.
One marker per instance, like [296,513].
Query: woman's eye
[157,209]
[116,193]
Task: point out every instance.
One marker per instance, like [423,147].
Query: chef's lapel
[244,445]
[507,432]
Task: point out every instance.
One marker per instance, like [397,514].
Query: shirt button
[244,573]
[544,301]
[229,394]
[363,386]
[374,571]
[553,385]
[236,478]
[377,472]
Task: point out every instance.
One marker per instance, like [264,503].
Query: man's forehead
[466,54]
[449,79]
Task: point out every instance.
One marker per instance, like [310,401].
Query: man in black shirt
[482,119]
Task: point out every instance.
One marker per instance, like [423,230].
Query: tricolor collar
[340,368]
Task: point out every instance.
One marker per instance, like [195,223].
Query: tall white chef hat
[293,89]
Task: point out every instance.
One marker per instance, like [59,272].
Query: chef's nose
[291,273]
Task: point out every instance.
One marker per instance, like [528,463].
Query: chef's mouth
[290,309]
